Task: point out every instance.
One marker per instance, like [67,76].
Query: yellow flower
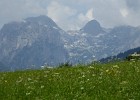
[124,82]
[115,66]
[5,81]
[107,70]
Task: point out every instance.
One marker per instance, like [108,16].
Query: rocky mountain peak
[34,41]
[41,20]
[93,23]
[92,27]
[38,41]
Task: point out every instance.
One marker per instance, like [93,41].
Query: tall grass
[112,81]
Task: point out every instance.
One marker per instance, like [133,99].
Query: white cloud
[89,14]
[83,18]
[61,14]
[67,17]
[124,12]
[15,10]
[73,14]
[133,4]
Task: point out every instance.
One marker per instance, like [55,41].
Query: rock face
[94,42]
[86,44]
[38,41]
[34,42]
[92,27]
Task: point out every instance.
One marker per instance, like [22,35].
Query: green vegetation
[134,56]
[112,81]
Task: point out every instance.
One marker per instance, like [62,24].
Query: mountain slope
[83,46]
[34,42]
[93,42]
[121,55]
[38,41]
[92,27]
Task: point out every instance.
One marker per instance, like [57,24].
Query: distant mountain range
[94,42]
[38,41]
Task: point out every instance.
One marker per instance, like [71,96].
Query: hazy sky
[73,14]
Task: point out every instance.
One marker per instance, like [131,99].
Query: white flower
[29,79]
[45,75]
[28,93]
[19,81]
[83,76]
[115,66]
[42,87]
[56,73]
[82,88]
[42,67]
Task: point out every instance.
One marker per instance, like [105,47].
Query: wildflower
[28,93]
[123,82]
[29,79]
[91,67]
[5,81]
[107,71]
[82,82]
[32,82]
[101,73]
[57,95]
[20,77]
[115,66]
[100,78]
[46,71]
[45,75]
[82,88]
[56,73]
[42,86]
[29,87]
[35,81]
[19,81]
[42,67]
[93,75]
[83,76]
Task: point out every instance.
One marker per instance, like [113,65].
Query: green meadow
[111,81]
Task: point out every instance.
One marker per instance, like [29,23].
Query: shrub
[66,64]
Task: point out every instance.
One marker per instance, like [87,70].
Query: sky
[73,14]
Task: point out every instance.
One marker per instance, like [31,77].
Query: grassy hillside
[112,81]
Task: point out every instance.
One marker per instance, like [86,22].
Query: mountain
[34,42]
[38,41]
[121,55]
[3,67]
[93,42]
[92,27]
[84,45]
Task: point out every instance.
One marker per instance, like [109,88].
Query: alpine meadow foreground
[111,81]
